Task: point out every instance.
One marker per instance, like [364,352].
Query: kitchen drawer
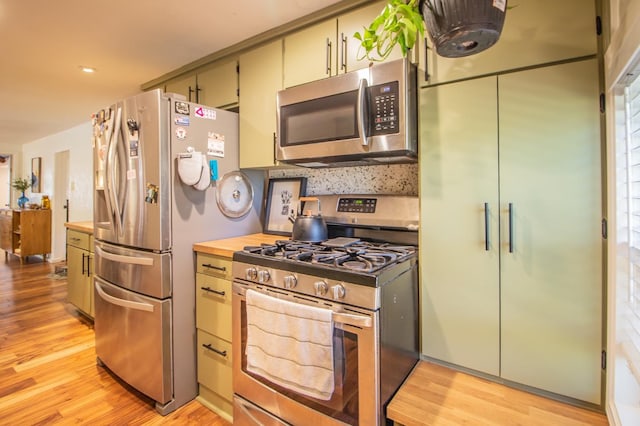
[214,265]
[213,305]
[214,369]
[79,239]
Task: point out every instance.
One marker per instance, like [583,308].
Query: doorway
[5,181]
[60,204]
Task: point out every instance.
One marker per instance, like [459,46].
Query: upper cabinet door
[349,47]
[218,84]
[535,32]
[182,85]
[260,80]
[310,54]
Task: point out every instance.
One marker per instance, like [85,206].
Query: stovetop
[302,266]
[349,254]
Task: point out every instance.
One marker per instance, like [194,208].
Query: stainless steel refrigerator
[160,177]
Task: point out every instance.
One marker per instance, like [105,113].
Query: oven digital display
[357,205]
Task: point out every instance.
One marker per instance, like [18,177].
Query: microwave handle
[362,107]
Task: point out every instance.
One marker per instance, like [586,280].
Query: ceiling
[128,42]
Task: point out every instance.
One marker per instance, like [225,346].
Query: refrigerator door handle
[124,303]
[111,183]
[144,261]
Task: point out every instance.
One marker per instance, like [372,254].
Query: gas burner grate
[360,257]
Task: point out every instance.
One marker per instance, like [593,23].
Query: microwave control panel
[384,99]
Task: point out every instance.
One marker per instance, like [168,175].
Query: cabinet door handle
[83,256]
[217,268]
[328,59]
[426,60]
[210,290]
[510,227]
[343,58]
[89,265]
[275,147]
[211,348]
[486,226]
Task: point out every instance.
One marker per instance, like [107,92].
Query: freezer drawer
[133,338]
[141,271]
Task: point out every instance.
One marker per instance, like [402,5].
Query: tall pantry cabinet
[511,245]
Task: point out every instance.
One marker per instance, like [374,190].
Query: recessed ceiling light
[88,70]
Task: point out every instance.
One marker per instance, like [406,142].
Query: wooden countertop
[227,246]
[80,226]
[437,395]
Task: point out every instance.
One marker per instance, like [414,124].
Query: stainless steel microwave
[367,116]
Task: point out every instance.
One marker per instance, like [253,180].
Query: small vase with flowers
[22,185]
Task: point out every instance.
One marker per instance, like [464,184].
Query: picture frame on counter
[283,197]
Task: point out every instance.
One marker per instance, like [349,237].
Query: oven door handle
[354,320]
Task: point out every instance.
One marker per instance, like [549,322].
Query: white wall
[80,192]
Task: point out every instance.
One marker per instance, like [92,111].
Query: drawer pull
[217,268]
[218,351]
[210,290]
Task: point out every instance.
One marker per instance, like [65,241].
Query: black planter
[462,27]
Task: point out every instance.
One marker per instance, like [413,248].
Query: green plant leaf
[400,22]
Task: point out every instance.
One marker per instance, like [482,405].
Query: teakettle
[308,227]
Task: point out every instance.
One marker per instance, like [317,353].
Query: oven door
[356,397]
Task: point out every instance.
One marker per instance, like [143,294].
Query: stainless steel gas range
[325,333]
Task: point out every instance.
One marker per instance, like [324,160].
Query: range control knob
[251,274]
[338,291]
[321,288]
[290,281]
[263,276]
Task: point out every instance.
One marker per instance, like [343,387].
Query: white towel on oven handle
[290,344]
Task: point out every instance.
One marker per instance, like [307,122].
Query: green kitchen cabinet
[214,85]
[218,84]
[185,85]
[213,323]
[309,54]
[260,80]
[535,32]
[328,48]
[79,271]
[511,245]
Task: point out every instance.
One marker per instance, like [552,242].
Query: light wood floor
[48,374]
[438,396]
[48,371]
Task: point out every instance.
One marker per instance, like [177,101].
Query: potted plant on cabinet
[21,185]
[456,27]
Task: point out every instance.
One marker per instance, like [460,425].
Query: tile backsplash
[401,179]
